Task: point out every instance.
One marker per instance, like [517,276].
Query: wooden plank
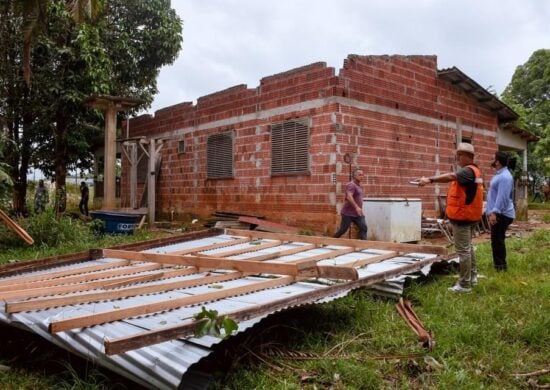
[205,262]
[250,248]
[203,248]
[57,274]
[324,256]
[16,228]
[335,272]
[369,260]
[81,277]
[37,304]
[282,253]
[138,310]
[269,226]
[64,289]
[187,328]
[79,257]
[358,244]
[135,279]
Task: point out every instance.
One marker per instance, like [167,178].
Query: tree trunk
[60,162]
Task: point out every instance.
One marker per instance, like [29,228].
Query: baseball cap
[466,148]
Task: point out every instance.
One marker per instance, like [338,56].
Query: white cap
[465,147]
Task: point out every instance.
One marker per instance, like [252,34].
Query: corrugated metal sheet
[161,366]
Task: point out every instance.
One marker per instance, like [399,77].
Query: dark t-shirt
[357,192]
[467,178]
[84,193]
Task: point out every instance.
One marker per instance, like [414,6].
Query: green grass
[482,338]
[360,341]
[539,206]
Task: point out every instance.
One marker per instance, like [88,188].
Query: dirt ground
[536,220]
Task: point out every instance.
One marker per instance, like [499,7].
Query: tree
[529,94]
[120,54]
[34,15]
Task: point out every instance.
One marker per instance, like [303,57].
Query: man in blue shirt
[500,208]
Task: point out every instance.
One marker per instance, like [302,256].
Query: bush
[47,231]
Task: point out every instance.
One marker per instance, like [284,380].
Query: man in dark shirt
[84,196]
[352,211]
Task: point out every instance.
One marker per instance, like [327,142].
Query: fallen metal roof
[162,346]
[486,99]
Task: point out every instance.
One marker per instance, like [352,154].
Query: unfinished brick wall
[413,131]
[391,111]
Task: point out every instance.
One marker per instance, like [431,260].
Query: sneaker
[457,288]
[474,280]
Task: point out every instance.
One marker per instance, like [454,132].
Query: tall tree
[120,54]
[34,15]
[529,94]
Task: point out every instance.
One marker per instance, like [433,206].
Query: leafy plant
[210,324]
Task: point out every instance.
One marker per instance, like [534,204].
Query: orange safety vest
[457,209]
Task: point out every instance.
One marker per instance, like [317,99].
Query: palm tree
[34,20]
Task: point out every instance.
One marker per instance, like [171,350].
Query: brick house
[281,149]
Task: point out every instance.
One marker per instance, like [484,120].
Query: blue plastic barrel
[117,222]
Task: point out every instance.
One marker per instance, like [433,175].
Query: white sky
[231,42]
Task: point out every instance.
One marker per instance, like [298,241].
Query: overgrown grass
[360,342]
[57,236]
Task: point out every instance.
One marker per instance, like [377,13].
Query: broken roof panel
[134,315]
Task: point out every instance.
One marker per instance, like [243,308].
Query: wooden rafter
[302,268]
[369,260]
[138,310]
[187,327]
[250,248]
[332,253]
[103,283]
[208,247]
[207,262]
[282,253]
[358,244]
[81,277]
[57,274]
[44,303]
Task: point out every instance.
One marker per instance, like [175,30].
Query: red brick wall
[417,135]
[392,111]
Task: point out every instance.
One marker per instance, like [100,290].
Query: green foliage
[359,341]
[529,94]
[208,323]
[119,54]
[47,231]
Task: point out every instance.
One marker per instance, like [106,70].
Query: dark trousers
[83,206]
[346,223]
[498,246]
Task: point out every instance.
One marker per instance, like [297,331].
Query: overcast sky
[231,42]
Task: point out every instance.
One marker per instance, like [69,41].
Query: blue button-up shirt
[499,199]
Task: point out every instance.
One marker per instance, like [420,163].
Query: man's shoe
[457,288]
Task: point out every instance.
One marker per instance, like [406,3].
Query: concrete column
[151,181]
[133,175]
[109,159]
